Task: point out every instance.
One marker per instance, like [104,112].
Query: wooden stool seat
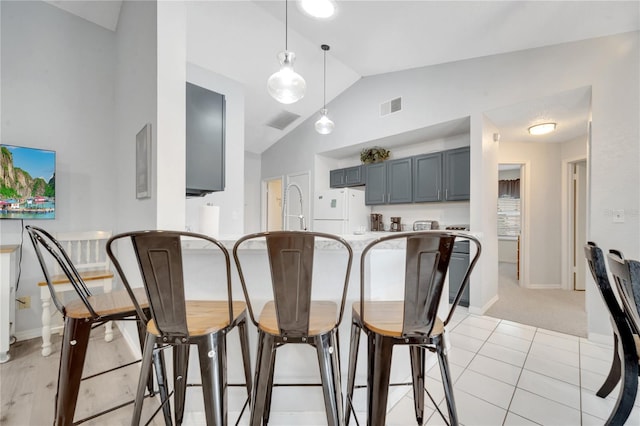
[107,304]
[322,318]
[206,316]
[385,318]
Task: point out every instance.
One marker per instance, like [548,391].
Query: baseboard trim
[35,333]
[480,311]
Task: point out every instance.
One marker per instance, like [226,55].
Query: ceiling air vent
[282,120]
[389,107]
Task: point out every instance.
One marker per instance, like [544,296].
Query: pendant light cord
[324,82]
[286,24]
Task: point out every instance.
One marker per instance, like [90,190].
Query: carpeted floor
[557,310]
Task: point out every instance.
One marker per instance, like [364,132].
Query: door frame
[568,218]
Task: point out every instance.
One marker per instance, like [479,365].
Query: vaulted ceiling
[241,39]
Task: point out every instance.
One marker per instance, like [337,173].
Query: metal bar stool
[625,274]
[411,321]
[80,316]
[294,315]
[178,322]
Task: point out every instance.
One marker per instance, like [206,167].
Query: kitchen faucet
[284,207]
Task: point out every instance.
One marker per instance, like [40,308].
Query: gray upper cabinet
[375,191]
[205,141]
[349,176]
[456,174]
[427,178]
[399,182]
[389,182]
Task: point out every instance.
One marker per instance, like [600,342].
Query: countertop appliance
[340,211]
[376,222]
[425,225]
[463,227]
[396,224]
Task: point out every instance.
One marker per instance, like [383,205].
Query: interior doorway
[577,221]
[510,214]
[272,213]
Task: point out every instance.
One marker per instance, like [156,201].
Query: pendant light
[286,86]
[324,125]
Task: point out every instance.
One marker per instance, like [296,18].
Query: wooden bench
[87,252]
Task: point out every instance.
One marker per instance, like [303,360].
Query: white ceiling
[240,39]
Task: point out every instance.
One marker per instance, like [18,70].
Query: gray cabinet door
[457,267]
[336,178]
[376,184]
[399,181]
[456,174]
[353,176]
[427,177]
[205,139]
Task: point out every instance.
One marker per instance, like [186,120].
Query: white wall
[252,192]
[57,93]
[136,105]
[445,92]
[231,200]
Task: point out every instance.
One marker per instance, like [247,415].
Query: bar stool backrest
[291,259]
[61,264]
[159,256]
[291,265]
[626,275]
[426,265]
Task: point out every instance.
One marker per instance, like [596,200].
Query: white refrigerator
[340,211]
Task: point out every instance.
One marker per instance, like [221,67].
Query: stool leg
[161,376]
[267,404]
[212,353]
[266,346]
[74,350]
[180,370]
[447,383]
[330,373]
[246,354]
[614,373]
[46,323]
[380,351]
[417,372]
[351,374]
[145,370]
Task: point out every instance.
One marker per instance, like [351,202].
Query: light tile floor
[507,373]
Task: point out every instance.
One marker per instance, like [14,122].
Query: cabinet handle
[446,193]
[438,194]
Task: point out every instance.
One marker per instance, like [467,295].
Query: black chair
[178,323]
[411,321]
[80,316]
[623,335]
[293,315]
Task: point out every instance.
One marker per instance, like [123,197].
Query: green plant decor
[374,155]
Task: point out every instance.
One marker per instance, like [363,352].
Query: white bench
[87,252]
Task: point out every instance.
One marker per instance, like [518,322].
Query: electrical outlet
[24,302]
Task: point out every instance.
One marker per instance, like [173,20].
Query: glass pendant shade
[324,125]
[286,86]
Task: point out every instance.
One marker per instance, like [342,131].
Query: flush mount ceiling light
[324,125]
[318,8]
[286,86]
[542,128]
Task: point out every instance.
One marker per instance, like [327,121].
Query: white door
[273,204]
[579,223]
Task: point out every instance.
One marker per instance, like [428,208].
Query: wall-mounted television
[27,183]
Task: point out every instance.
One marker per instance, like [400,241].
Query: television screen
[27,183]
